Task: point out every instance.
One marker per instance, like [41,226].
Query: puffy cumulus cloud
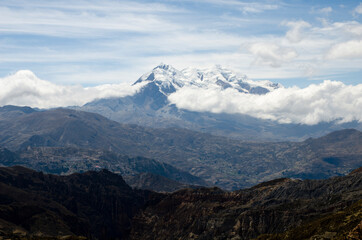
[271,54]
[296,32]
[345,50]
[327,101]
[25,89]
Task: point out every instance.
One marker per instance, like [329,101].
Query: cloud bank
[25,89]
[328,101]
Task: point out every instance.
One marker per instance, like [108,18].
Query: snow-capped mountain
[168,80]
[219,77]
[166,77]
[150,105]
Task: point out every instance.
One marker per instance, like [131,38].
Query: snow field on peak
[215,77]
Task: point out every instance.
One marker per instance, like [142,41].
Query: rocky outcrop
[356,233]
[100,205]
[341,225]
[272,207]
[97,205]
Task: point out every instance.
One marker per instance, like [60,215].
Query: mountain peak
[214,74]
[165,77]
[168,79]
[165,67]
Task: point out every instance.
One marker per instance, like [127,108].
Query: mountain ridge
[227,163]
[68,160]
[100,205]
[169,79]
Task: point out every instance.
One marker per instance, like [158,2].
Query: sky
[90,43]
[64,53]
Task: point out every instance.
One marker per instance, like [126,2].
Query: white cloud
[327,101]
[84,19]
[296,32]
[352,28]
[25,89]
[245,7]
[258,8]
[345,50]
[358,9]
[271,54]
[326,10]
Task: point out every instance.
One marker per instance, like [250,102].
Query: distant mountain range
[151,107]
[227,163]
[68,160]
[100,205]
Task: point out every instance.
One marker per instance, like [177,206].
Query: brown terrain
[229,164]
[100,205]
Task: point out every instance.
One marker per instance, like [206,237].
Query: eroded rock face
[272,207]
[356,233]
[97,205]
[100,205]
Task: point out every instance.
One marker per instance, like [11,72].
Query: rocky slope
[227,163]
[157,183]
[268,208]
[97,205]
[342,225]
[100,205]
[68,160]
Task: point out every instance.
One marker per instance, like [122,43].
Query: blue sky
[97,42]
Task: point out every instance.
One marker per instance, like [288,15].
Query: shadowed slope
[230,164]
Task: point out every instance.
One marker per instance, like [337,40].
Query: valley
[227,163]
